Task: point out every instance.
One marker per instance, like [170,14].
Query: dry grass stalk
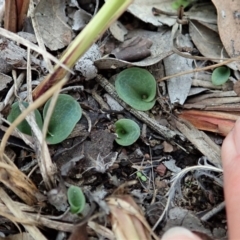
[33,230]
[103,231]
[18,182]
[127,219]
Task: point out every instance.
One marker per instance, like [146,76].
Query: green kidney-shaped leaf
[128,132]
[24,126]
[76,199]
[220,75]
[66,114]
[136,87]
[177,4]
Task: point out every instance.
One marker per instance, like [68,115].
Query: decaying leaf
[178,87]
[208,42]
[51,19]
[127,219]
[13,56]
[203,12]
[159,50]
[134,49]
[143,10]
[229,26]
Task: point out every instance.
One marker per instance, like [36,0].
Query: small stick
[214,211]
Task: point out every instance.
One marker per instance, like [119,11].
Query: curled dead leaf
[127,219]
[228,25]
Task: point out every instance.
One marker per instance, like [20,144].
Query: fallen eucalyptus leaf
[178,87]
[203,12]
[159,50]
[208,42]
[142,9]
[228,26]
[51,19]
[134,49]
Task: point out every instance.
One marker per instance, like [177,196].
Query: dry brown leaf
[127,219]
[159,50]
[51,19]
[178,87]
[229,25]
[142,9]
[206,40]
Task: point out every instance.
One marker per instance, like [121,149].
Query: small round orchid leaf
[178,3]
[66,114]
[128,132]
[136,87]
[76,199]
[143,178]
[139,174]
[220,75]
[24,126]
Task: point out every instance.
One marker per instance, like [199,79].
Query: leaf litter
[183,184]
